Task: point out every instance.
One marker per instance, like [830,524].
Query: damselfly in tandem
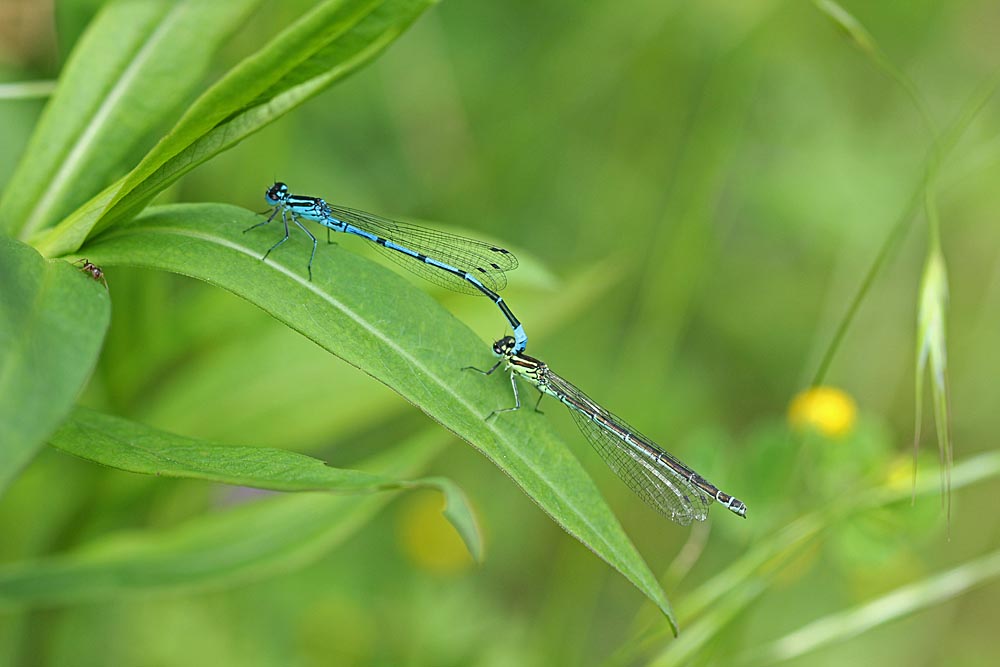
[661,480]
[458,263]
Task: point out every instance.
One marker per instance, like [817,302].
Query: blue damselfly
[455,262]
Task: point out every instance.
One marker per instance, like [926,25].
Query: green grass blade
[931,337]
[131,73]
[850,26]
[26,90]
[932,348]
[52,321]
[334,40]
[377,321]
[866,43]
[686,649]
[889,245]
[740,583]
[247,543]
[909,599]
[125,445]
[937,154]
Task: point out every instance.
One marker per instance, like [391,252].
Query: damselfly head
[504,346]
[276,194]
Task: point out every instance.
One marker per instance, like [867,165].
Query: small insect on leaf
[94,271]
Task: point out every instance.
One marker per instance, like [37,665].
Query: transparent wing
[487,262]
[642,467]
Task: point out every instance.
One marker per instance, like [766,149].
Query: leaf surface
[53,318]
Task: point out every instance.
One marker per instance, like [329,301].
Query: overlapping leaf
[330,42]
[378,322]
[249,542]
[118,88]
[125,445]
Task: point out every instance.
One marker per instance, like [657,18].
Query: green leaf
[247,543]
[53,318]
[334,40]
[133,70]
[458,512]
[377,321]
[125,445]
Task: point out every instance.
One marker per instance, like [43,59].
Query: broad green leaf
[332,41]
[377,321]
[126,445]
[52,321]
[247,543]
[132,72]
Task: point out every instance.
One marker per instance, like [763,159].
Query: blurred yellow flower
[829,410]
[900,473]
[427,538]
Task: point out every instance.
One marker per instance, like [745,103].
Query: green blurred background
[695,191]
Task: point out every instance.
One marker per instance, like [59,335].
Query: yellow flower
[829,410]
